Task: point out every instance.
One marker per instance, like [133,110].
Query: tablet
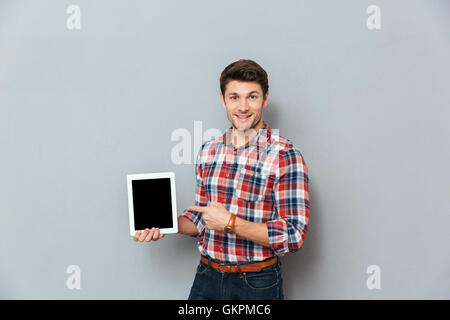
[152,202]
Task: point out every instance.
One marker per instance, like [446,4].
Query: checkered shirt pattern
[265,182]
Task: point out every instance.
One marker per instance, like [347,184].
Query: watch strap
[231,222]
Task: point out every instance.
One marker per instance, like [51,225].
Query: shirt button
[228,175]
[221,249]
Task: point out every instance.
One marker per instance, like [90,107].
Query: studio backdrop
[91,91]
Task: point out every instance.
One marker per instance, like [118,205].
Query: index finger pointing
[197,208]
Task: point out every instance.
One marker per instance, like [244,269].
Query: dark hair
[244,70]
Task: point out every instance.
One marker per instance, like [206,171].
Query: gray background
[81,109]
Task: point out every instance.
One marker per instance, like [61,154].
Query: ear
[266,98]
[223,101]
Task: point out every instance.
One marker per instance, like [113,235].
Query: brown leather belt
[251,267]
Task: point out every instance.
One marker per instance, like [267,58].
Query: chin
[243,126]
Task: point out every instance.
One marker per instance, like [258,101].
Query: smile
[243,117]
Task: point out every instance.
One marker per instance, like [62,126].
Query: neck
[240,137]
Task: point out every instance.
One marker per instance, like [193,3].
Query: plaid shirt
[266,182]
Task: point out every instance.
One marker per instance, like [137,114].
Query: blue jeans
[211,284]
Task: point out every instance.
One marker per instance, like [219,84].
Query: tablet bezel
[145,176]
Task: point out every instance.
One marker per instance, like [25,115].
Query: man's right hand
[148,235]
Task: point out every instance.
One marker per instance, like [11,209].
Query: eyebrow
[235,93]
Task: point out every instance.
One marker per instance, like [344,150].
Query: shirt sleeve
[287,228]
[200,197]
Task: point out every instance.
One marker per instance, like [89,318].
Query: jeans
[211,284]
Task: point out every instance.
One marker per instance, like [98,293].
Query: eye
[233,97]
[253,96]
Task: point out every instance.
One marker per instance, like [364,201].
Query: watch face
[228,230]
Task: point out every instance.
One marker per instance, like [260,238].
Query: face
[244,102]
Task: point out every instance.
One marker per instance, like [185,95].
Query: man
[251,200]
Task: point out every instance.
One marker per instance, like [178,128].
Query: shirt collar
[262,138]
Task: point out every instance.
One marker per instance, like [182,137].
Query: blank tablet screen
[152,202]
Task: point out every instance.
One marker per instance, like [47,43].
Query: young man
[251,200]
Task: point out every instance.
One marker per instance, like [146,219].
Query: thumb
[216,204]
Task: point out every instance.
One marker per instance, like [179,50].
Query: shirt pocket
[253,185]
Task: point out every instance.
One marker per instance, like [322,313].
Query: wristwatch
[229,228]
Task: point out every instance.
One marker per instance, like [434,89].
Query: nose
[243,108]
